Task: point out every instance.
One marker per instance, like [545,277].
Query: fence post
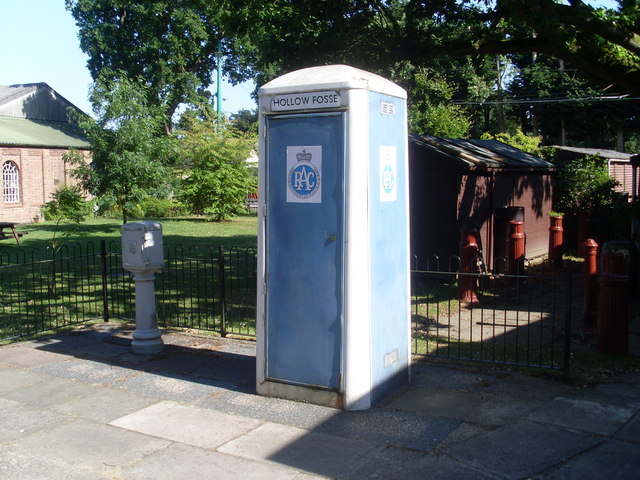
[516,247]
[590,317]
[613,316]
[223,306]
[555,242]
[467,285]
[105,296]
[566,361]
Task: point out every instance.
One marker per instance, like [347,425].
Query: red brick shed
[476,184]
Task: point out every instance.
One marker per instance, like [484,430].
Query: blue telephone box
[333,312]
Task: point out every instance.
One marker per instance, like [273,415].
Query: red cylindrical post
[556,238]
[590,317]
[516,247]
[613,315]
[467,284]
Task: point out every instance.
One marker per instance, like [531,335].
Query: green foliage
[131,157]
[161,207]
[245,121]
[216,178]
[172,45]
[67,204]
[430,109]
[518,139]
[584,185]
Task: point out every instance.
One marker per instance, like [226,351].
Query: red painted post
[590,317]
[613,315]
[516,247]
[556,239]
[467,284]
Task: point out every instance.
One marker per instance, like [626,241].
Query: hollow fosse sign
[304,101]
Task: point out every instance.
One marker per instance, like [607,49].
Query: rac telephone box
[333,311]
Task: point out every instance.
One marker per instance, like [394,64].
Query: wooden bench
[12,234]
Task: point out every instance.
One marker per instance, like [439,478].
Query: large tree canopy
[603,44]
[171,44]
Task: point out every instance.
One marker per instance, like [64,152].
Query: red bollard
[590,317]
[555,242]
[467,284]
[516,247]
[613,315]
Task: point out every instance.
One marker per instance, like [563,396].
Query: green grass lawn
[188,231]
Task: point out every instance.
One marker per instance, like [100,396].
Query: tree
[430,109]
[215,178]
[603,44]
[130,161]
[173,46]
[584,185]
[245,121]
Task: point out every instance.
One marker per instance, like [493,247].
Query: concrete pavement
[82,406]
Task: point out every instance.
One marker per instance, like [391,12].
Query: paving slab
[178,387]
[390,427]
[178,363]
[394,465]
[50,392]
[23,356]
[276,410]
[523,387]
[436,402]
[498,410]
[23,465]
[87,371]
[19,420]
[181,461]
[585,415]
[105,404]
[234,368]
[452,378]
[522,449]
[611,460]
[13,379]
[187,424]
[312,452]
[91,445]
[631,431]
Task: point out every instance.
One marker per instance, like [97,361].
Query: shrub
[161,207]
[67,203]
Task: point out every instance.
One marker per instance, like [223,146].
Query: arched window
[11,182]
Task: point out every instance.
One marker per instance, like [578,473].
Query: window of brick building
[10,182]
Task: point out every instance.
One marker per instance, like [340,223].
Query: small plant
[67,204]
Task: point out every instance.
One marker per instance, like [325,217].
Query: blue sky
[39,43]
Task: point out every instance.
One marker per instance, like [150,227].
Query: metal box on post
[333,311]
[142,246]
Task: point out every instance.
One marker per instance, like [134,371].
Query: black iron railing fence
[200,288]
[517,319]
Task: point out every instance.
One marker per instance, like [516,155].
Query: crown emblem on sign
[303,156]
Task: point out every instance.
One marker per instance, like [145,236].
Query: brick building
[35,132]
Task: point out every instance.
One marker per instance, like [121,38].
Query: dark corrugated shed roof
[603,152]
[482,153]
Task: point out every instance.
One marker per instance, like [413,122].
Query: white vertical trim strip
[357,317]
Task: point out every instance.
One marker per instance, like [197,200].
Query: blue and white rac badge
[304,174]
